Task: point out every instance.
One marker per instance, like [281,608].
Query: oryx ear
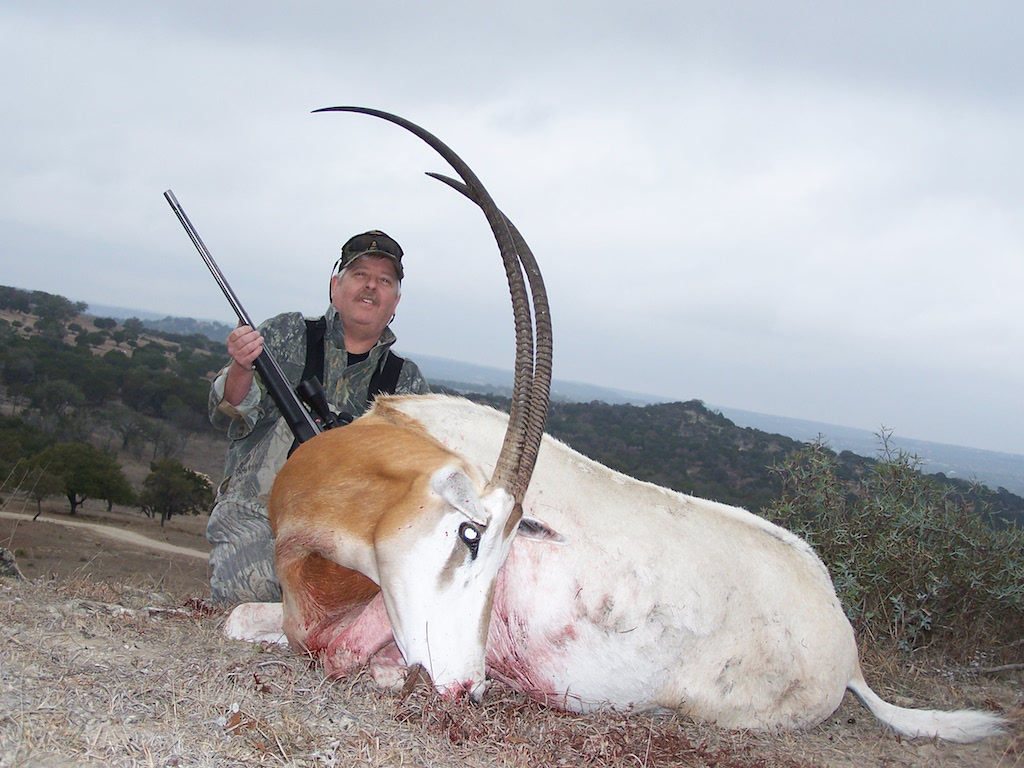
[454,486]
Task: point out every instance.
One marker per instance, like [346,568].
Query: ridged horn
[540,392]
[512,450]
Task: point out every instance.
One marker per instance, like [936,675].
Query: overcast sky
[800,208]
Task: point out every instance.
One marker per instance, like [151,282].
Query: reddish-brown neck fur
[346,488]
[354,477]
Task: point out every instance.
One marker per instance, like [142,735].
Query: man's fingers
[253,348]
[244,344]
[239,332]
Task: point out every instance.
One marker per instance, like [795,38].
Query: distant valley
[993,468]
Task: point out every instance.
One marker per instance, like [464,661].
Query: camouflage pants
[242,553]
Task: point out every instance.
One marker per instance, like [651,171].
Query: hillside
[991,468]
[67,376]
[143,390]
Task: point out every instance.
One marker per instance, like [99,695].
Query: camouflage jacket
[260,438]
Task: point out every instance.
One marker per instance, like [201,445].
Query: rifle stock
[295,415]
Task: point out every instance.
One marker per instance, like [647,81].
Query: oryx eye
[470,536]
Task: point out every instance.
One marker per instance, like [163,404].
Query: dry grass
[94,673]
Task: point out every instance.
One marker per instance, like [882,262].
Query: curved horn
[512,448]
[540,392]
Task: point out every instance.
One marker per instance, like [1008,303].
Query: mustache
[367,295]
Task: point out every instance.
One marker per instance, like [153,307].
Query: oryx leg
[256,623]
[388,667]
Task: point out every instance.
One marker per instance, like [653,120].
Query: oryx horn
[532,370]
[541,390]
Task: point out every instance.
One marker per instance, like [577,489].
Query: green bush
[174,489]
[913,564]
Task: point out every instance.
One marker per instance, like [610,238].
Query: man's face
[366,295]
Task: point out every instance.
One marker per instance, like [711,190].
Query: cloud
[800,209]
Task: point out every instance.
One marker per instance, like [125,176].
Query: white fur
[654,599]
[435,592]
[256,623]
[619,593]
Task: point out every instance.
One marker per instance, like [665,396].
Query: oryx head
[437,577]
[437,573]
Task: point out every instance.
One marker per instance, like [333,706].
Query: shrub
[85,473]
[173,489]
[913,565]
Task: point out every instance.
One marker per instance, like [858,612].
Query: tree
[49,306]
[14,298]
[19,370]
[18,441]
[98,383]
[132,327]
[167,440]
[118,491]
[173,489]
[90,338]
[41,485]
[117,360]
[131,425]
[188,417]
[149,358]
[58,397]
[86,473]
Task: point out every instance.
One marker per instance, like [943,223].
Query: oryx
[588,590]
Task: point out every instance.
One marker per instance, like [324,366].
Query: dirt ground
[46,549]
[109,655]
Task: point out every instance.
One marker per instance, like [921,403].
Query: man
[365,288]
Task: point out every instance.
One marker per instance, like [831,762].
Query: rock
[8,566]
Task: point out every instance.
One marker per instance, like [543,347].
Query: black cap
[372,243]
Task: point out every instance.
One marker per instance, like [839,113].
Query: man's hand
[245,344]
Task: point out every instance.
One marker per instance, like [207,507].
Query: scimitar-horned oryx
[589,590]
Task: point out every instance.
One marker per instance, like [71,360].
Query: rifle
[299,420]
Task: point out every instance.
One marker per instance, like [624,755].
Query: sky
[804,209]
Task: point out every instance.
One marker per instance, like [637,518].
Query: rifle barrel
[297,417]
[197,241]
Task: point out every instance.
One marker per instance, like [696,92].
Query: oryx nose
[476,695]
[463,688]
